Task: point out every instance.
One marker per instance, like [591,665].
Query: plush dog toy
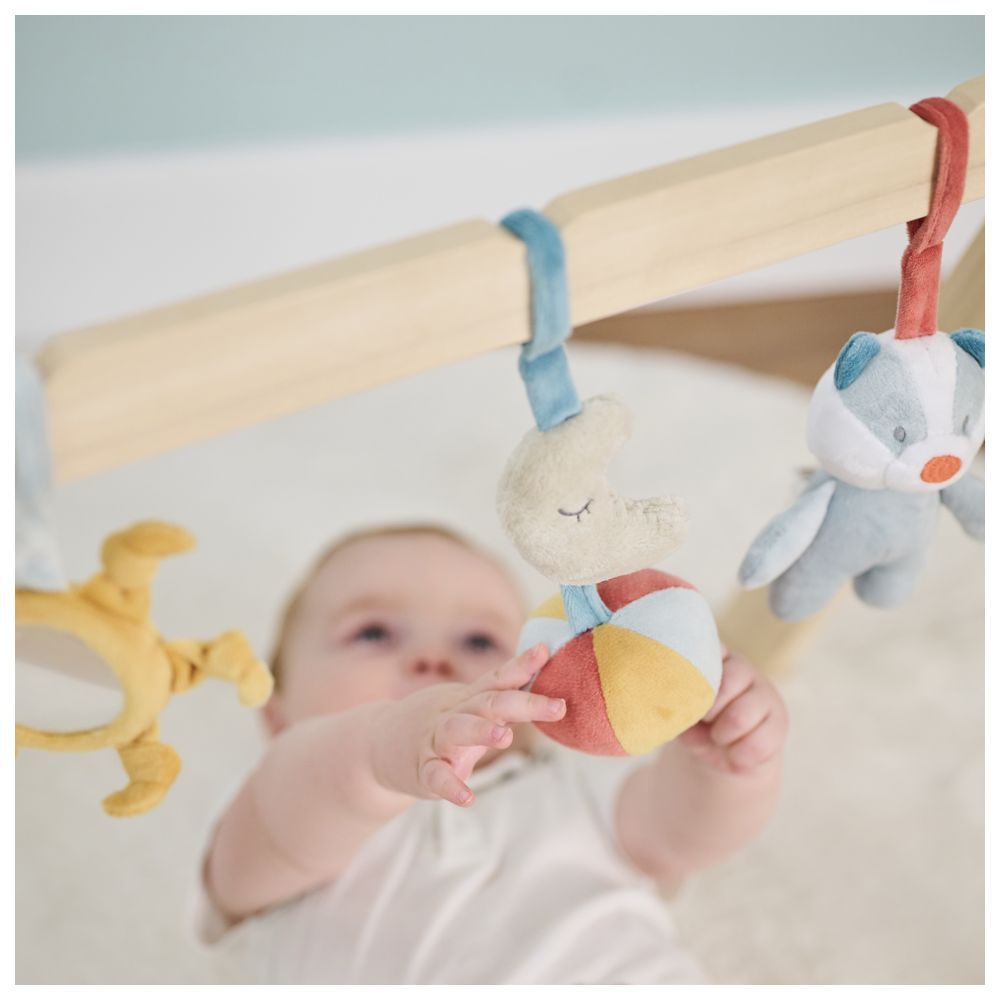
[894,423]
[110,614]
[634,652]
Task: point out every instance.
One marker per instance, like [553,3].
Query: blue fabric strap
[543,364]
[36,560]
[584,607]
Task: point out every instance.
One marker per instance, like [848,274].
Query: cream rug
[872,869]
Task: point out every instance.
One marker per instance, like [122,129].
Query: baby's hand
[434,737]
[745,727]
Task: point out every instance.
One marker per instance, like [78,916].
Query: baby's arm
[327,784]
[711,791]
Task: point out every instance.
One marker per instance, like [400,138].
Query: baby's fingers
[463,730]
[516,706]
[757,747]
[440,780]
[737,677]
[741,715]
[514,673]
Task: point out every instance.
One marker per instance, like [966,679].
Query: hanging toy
[634,651]
[895,423]
[110,615]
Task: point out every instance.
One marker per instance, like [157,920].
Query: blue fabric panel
[36,562]
[543,363]
[584,607]
[547,268]
[973,343]
[853,357]
[551,392]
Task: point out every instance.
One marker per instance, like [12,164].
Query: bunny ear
[973,342]
[853,358]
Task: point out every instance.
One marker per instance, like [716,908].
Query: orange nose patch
[938,469]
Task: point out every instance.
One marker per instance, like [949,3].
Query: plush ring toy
[110,615]
[895,423]
[634,652]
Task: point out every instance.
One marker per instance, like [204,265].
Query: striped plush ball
[636,681]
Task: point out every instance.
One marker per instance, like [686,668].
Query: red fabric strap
[917,307]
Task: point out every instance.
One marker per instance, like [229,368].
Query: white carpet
[872,870]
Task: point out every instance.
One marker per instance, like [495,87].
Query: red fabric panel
[917,307]
[572,674]
[622,590]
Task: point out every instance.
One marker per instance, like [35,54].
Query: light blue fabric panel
[681,620]
[973,342]
[550,388]
[36,561]
[786,536]
[543,364]
[853,358]
[554,632]
[584,607]
[547,267]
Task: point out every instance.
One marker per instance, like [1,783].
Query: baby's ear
[973,342]
[853,357]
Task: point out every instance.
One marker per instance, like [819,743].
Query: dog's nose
[940,468]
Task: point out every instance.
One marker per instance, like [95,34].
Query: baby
[408,824]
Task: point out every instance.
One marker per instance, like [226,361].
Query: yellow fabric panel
[551,607]
[652,693]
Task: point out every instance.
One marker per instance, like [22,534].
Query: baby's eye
[371,633]
[480,642]
[899,434]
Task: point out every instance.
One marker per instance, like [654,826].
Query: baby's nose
[431,668]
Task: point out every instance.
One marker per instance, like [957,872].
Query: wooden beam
[140,385]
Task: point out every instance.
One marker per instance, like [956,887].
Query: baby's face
[387,615]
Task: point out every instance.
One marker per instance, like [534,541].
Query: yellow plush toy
[110,615]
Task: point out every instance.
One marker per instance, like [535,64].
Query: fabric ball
[636,681]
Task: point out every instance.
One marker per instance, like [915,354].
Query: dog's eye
[899,434]
[965,423]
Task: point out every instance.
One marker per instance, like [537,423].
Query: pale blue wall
[92,84]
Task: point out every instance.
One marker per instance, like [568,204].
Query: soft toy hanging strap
[917,307]
[544,367]
[543,364]
[36,561]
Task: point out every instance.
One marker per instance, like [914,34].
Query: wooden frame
[268,348]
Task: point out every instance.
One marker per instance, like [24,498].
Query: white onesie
[528,885]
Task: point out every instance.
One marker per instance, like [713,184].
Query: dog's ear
[973,342]
[853,357]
